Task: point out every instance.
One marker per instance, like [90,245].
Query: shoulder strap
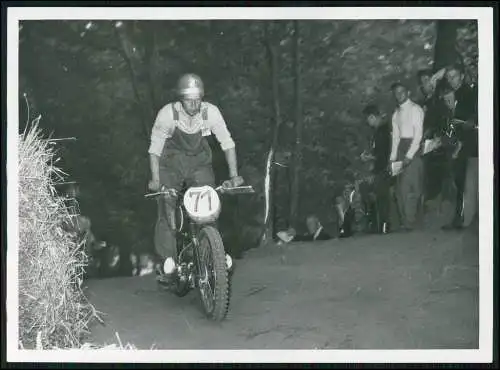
[204,113]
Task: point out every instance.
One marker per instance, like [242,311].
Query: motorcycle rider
[178,152]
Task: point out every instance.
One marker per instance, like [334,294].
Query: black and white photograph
[250,184]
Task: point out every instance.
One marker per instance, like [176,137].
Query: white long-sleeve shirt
[165,125]
[407,123]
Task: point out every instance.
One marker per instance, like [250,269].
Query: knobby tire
[218,256]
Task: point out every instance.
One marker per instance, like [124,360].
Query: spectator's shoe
[165,273]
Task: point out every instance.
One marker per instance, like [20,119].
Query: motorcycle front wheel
[213,283]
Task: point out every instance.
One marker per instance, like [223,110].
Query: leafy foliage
[104,81]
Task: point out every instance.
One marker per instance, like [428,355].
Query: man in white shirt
[407,131]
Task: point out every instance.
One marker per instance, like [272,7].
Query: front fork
[198,279]
[201,274]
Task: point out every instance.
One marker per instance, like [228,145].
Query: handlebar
[171,192]
[244,189]
[247,189]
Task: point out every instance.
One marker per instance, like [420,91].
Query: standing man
[179,152]
[407,131]
[433,126]
[465,164]
[380,151]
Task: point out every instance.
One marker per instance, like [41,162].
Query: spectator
[314,228]
[379,153]
[407,130]
[465,160]
[431,102]
[435,160]
[452,141]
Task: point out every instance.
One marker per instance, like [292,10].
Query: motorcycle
[201,260]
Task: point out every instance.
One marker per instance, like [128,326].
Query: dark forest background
[103,82]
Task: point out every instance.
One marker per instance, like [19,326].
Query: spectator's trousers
[471,191]
[466,176]
[434,171]
[382,193]
[409,186]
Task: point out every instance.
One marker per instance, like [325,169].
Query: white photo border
[484,16]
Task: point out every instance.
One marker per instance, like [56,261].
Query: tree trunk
[125,53]
[297,155]
[445,51]
[28,80]
[270,169]
[150,56]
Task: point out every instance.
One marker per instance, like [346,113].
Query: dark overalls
[185,158]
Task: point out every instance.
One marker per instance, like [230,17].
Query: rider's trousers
[175,169]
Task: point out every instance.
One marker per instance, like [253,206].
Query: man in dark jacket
[380,149]
[434,162]
[465,161]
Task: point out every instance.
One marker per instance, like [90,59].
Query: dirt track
[400,291]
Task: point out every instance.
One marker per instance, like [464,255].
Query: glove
[154,185]
[233,182]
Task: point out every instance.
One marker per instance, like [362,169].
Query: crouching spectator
[315,232]
[345,217]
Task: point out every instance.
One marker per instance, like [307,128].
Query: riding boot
[163,278]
